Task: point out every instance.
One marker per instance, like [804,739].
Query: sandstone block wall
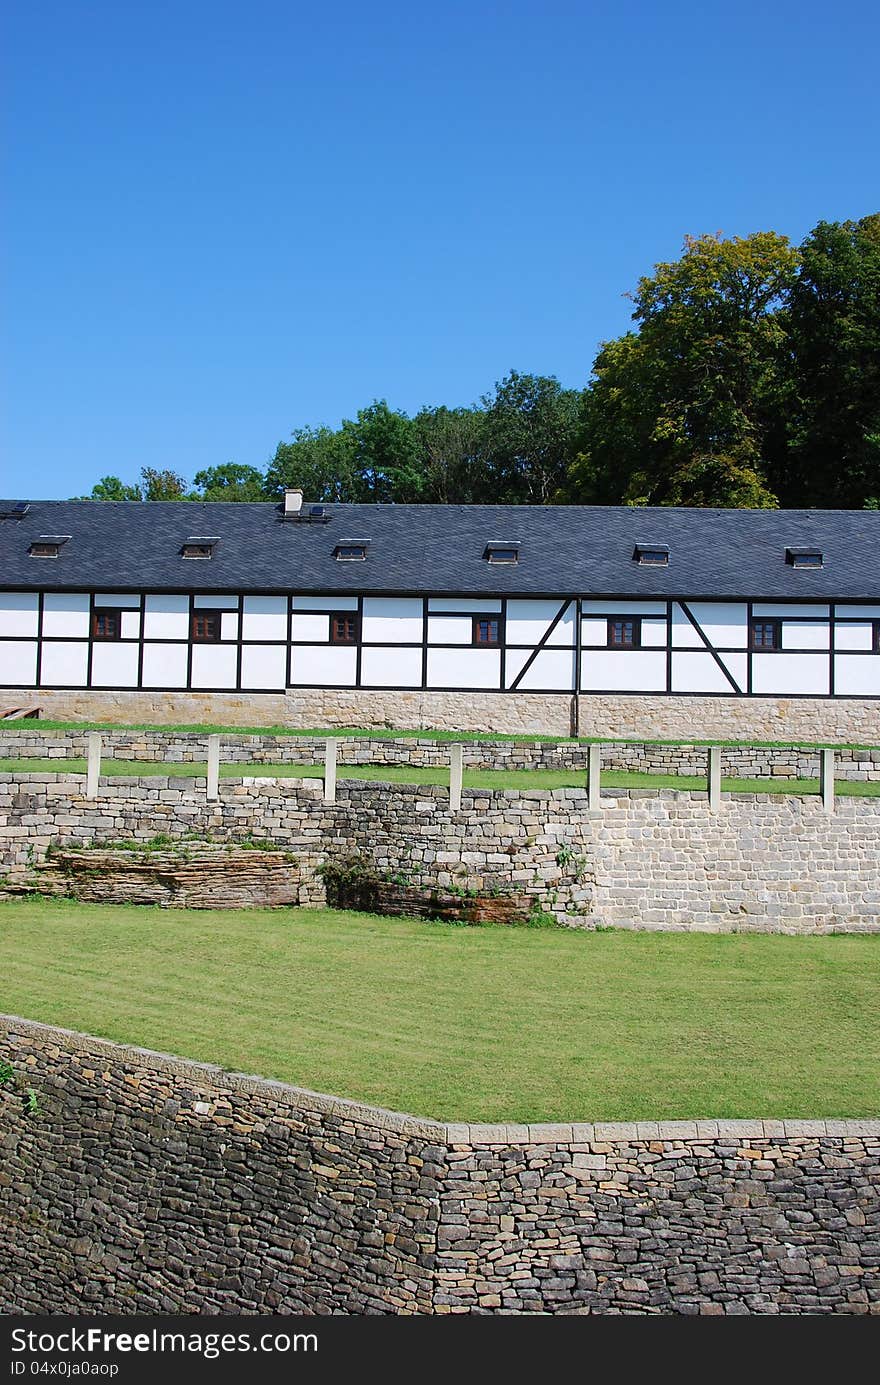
[178,747]
[645,859]
[149,1184]
[622,715]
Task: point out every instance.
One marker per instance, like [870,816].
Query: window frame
[357,551]
[635,621]
[99,612]
[651,555]
[216,617]
[493,618]
[345,616]
[493,549]
[799,558]
[775,622]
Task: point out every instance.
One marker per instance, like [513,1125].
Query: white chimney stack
[293,500]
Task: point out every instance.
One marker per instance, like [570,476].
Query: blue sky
[223,221]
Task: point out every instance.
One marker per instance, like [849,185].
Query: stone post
[213,767]
[714,778]
[594,778]
[456,762]
[93,772]
[330,749]
[826,779]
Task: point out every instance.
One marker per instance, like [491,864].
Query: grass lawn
[473,779]
[385,733]
[467,1023]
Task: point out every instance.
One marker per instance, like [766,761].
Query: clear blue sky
[223,221]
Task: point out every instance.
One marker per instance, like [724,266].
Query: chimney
[293,500]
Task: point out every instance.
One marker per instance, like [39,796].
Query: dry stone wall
[644,859]
[623,715]
[176,747]
[148,1184]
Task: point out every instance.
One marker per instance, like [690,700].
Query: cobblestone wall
[743,762]
[645,859]
[848,720]
[148,1184]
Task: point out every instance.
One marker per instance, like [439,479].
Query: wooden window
[502,552]
[487,630]
[343,628]
[624,632]
[106,624]
[766,634]
[205,626]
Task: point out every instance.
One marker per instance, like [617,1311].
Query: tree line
[750,378]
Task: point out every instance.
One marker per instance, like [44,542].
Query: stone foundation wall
[148,1184]
[156,747]
[623,715]
[645,859]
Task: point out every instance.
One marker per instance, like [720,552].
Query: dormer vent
[48,545]
[198,547]
[651,554]
[502,551]
[804,557]
[351,550]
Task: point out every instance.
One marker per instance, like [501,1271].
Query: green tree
[678,409]
[319,461]
[831,452]
[530,428]
[231,481]
[387,455]
[111,488]
[163,485]
[451,445]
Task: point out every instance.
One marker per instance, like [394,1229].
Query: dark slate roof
[439,548]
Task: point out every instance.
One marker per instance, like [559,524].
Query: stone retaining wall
[149,1184]
[623,715]
[644,859]
[742,762]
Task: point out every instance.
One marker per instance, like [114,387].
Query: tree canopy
[750,378]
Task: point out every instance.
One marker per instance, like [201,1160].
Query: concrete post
[594,778]
[94,765]
[826,779]
[213,767]
[456,764]
[714,778]
[330,748]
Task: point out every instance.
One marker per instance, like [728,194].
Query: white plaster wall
[655,633]
[859,612]
[529,621]
[724,623]
[64,663]
[229,625]
[464,668]
[264,618]
[131,625]
[306,627]
[693,671]
[854,636]
[18,613]
[803,635]
[215,603]
[790,673]
[623,670]
[125,601]
[164,665]
[634,606]
[325,603]
[389,667]
[114,665]
[392,619]
[451,629]
[18,663]
[314,666]
[467,605]
[214,665]
[263,665]
[553,669]
[594,630]
[66,614]
[166,617]
[857,674]
[814,610]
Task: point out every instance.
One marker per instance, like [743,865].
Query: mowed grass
[473,779]
[480,1024]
